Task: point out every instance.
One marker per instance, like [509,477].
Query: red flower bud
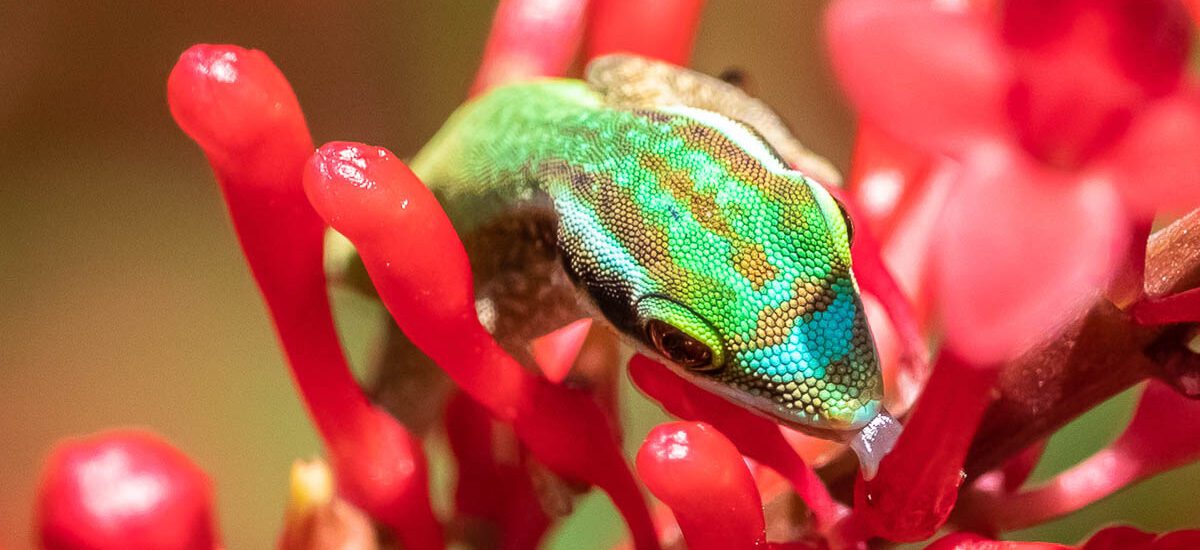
[662,29]
[124,490]
[702,477]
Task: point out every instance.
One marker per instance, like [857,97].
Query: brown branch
[1099,355]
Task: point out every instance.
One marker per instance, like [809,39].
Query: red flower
[239,108]
[1066,119]
[124,490]
[701,476]
[1022,197]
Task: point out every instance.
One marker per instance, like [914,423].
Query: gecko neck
[492,154]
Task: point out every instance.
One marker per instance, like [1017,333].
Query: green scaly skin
[682,216]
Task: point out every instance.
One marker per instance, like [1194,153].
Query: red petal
[893,61]
[662,29]
[124,490]
[1020,250]
[1176,308]
[918,481]
[701,476]
[1017,469]
[1144,41]
[1188,539]
[530,38]
[1157,165]
[884,176]
[555,352]
[1193,7]
[1085,67]
[908,250]
[1128,538]
[1163,434]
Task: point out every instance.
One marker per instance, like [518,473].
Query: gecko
[666,203]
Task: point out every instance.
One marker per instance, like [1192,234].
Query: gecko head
[770,316]
[733,269]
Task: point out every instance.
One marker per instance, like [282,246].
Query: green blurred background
[123,296]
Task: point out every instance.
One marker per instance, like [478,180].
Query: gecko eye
[849,222]
[680,348]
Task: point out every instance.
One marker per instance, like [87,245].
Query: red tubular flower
[877,280]
[1119,537]
[1017,469]
[421,271]
[882,170]
[917,484]
[1028,248]
[758,438]
[124,490]
[493,495]
[662,29]
[971,541]
[1112,538]
[1176,308]
[1163,434]
[241,111]
[530,38]
[1064,131]
[702,477]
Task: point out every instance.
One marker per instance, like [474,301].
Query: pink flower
[1065,119]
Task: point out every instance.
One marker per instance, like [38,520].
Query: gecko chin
[841,425]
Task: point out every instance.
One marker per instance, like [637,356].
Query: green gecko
[654,193]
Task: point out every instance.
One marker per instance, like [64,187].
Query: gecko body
[680,225]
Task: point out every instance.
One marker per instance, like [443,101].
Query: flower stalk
[633,26]
[917,484]
[409,247]
[242,112]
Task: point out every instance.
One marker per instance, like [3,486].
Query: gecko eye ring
[679,347]
[848,220]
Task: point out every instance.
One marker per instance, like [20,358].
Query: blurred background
[123,296]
